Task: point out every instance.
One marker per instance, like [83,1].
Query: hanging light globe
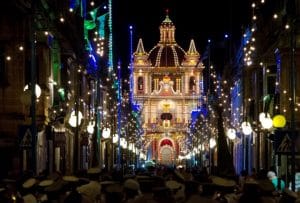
[267,123]
[279,121]
[131,146]
[91,127]
[115,138]
[246,128]
[123,143]
[73,119]
[38,90]
[106,133]
[263,115]
[231,133]
[212,142]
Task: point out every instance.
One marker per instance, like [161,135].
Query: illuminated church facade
[167,84]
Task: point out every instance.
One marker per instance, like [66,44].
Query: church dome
[166,55]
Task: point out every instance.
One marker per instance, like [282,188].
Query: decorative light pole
[231,134]
[247,130]
[212,144]
[33,87]
[105,136]
[292,7]
[267,124]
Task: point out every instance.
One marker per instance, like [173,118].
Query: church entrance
[166,155]
[166,151]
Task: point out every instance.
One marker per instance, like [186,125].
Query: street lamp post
[106,133]
[247,130]
[33,82]
[231,134]
[77,134]
[212,144]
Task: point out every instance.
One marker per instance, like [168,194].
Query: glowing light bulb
[212,142]
[106,133]
[246,128]
[287,26]
[231,133]
[275,16]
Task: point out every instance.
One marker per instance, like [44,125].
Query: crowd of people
[152,185]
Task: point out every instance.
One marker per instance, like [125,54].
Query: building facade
[167,82]
[40,37]
[264,78]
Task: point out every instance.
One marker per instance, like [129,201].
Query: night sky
[198,19]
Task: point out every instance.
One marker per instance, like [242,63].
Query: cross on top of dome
[167,19]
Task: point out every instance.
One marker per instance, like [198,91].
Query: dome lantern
[167,31]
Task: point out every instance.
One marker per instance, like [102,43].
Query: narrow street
[156,101]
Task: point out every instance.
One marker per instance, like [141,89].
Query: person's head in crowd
[266,187]
[191,188]
[93,174]
[73,197]
[271,175]
[262,174]
[288,196]
[174,186]
[223,183]
[131,188]
[244,173]
[113,193]
[163,195]
[146,185]
[251,193]
[207,189]
[251,187]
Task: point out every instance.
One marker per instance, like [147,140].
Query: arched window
[192,84]
[140,83]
